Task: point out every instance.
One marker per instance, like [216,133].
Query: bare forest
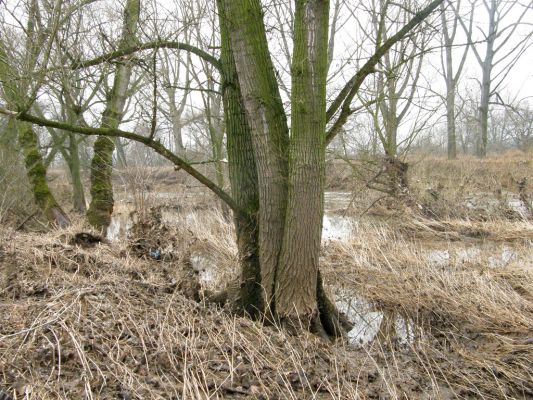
[266,199]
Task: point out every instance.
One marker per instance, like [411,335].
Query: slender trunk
[450,119]
[486,83]
[175,118]
[179,148]
[450,104]
[449,77]
[484,112]
[78,195]
[102,202]
[121,154]
[15,97]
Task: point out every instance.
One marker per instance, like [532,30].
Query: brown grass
[474,322]
[109,322]
[103,323]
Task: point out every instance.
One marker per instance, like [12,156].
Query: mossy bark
[15,96]
[268,130]
[243,179]
[296,283]
[102,201]
[36,172]
[274,285]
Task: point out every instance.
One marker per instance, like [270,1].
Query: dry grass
[110,322]
[466,188]
[103,323]
[98,323]
[474,323]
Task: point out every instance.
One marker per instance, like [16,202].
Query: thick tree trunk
[296,283]
[281,252]
[269,131]
[102,202]
[243,178]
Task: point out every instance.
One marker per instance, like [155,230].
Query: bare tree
[277,179]
[504,44]
[101,206]
[394,88]
[450,23]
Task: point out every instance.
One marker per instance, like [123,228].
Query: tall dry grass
[104,323]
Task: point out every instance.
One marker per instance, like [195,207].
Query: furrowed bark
[269,130]
[102,202]
[296,284]
[243,178]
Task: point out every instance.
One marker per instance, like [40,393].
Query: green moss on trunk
[101,208]
[36,172]
[102,202]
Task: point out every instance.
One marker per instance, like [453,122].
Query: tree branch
[155,145]
[147,46]
[345,97]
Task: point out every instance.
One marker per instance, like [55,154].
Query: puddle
[519,208]
[367,321]
[468,255]
[503,259]
[335,227]
[498,258]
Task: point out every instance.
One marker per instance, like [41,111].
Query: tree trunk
[121,154]
[16,98]
[450,101]
[484,112]
[280,247]
[450,119]
[486,83]
[78,195]
[269,130]
[102,202]
[296,283]
[243,178]
[36,171]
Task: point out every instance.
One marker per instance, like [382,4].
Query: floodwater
[337,227]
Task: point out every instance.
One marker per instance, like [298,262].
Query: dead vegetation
[107,322]
[98,323]
[86,317]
